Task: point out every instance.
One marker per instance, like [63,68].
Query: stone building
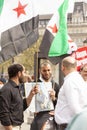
[43,21]
[77,23]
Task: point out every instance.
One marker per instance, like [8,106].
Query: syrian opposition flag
[18,26]
[56,41]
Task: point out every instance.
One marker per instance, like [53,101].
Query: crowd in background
[69,100]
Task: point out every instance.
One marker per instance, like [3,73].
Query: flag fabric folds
[18,27]
[1,5]
[56,41]
[59,45]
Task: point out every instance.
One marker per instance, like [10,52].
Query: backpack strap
[53,84]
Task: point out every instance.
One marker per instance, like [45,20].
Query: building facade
[77,23]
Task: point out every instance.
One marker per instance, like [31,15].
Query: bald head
[69,62]
[68,65]
[45,64]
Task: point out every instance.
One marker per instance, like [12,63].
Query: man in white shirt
[72,97]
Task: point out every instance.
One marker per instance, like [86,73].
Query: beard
[21,80]
[46,78]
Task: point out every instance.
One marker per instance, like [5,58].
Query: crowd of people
[57,107]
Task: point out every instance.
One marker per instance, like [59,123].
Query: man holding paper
[45,100]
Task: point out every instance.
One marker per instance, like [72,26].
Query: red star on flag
[54,28]
[20,9]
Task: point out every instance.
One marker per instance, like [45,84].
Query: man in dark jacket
[49,94]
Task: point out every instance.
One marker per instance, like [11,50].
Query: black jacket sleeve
[24,104]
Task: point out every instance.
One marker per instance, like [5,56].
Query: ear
[19,73]
[62,68]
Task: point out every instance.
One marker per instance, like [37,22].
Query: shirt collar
[72,73]
[44,80]
[13,83]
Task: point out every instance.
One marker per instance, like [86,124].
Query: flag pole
[36,67]
[36,63]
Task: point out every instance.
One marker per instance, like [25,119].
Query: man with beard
[45,99]
[11,103]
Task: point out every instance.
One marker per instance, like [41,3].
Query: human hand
[51,112]
[52,94]
[31,94]
[34,90]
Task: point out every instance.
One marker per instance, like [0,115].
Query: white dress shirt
[72,98]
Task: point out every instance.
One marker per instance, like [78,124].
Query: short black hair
[45,63]
[14,69]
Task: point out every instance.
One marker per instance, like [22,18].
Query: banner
[81,56]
